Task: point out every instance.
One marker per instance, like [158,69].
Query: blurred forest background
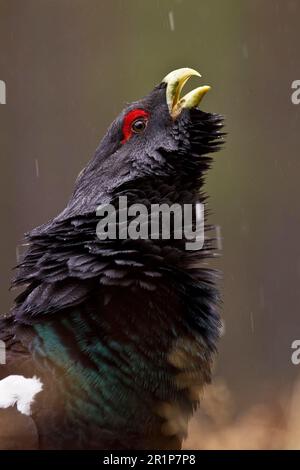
[70,66]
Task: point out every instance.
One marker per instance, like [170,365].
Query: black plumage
[122,333]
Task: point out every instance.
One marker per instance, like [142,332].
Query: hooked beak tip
[175,82]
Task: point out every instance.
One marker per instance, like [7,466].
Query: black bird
[118,335]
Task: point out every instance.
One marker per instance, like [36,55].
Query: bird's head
[163,136]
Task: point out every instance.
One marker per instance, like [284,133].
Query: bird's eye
[135,122]
[139,125]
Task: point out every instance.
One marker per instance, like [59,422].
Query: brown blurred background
[69,67]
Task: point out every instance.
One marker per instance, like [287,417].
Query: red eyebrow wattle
[128,120]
